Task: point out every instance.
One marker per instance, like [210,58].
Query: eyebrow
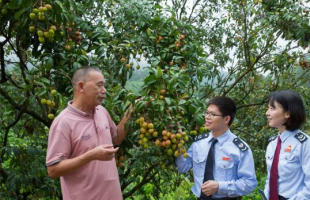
[211,112]
[101,82]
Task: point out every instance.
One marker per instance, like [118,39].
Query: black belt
[226,198]
[282,198]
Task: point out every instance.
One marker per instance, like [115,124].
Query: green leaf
[19,13]
[73,5]
[139,105]
[41,92]
[76,65]
[100,50]
[182,101]
[200,119]
[192,108]
[157,6]
[150,80]
[14,4]
[45,81]
[159,73]
[49,64]
[168,101]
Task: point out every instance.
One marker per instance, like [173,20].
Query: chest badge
[288,149]
[226,158]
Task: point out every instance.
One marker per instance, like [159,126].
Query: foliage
[178,55]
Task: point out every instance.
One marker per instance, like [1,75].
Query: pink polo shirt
[73,133]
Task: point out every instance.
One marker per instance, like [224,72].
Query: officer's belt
[282,198]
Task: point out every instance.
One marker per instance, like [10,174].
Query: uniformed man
[288,153]
[222,163]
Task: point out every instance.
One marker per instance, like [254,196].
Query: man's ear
[227,119]
[80,86]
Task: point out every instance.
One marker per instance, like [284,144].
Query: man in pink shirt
[80,145]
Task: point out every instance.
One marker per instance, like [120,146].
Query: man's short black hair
[81,73]
[291,102]
[226,106]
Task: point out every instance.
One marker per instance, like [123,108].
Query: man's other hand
[104,152]
[210,187]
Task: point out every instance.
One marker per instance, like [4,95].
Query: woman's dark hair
[291,102]
[226,106]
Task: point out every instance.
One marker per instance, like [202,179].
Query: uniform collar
[287,134]
[79,112]
[224,137]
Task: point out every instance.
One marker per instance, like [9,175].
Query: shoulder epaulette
[301,137]
[272,138]
[241,145]
[200,137]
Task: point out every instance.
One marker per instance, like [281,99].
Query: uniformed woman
[288,153]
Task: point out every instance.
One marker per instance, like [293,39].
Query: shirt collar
[79,112]
[287,133]
[224,137]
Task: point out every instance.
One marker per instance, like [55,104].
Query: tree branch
[182,9]
[8,130]
[237,129]
[124,183]
[251,68]
[3,75]
[193,8]
[253,104]
[3,173]
[7,38]
[144,180]
[18,107]
[22,64]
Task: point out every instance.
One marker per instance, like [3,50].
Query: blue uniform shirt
[293,167]
[233,169]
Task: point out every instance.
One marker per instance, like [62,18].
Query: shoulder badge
[200,137]
[301,137]
[272,138]
[241,145]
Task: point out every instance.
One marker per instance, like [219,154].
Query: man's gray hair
[81,74]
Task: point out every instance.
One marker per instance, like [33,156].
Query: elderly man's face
[94,88]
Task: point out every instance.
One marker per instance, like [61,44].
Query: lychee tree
[167,58]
